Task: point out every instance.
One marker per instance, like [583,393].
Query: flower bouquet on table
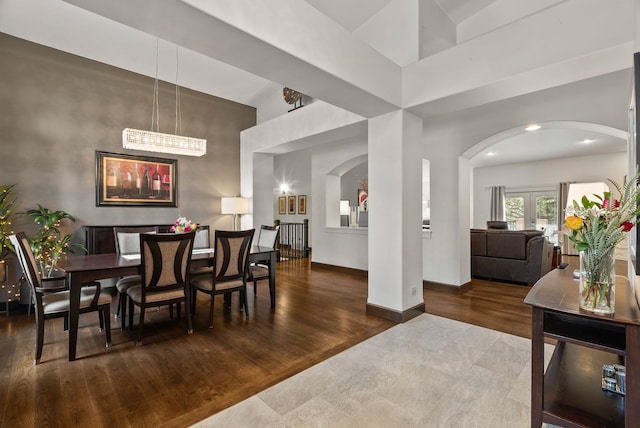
[182,225]
[595,228]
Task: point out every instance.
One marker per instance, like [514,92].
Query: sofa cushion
[509,244]
[478,242]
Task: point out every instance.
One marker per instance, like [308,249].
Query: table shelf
[572,388]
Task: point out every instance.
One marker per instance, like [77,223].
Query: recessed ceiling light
[587,141]
[533,127]
[491,154]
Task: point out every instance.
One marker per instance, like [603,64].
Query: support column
[395,216]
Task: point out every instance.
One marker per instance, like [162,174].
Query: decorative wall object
[292,204]
[292,97]
[302,204]
[363,200]
[282,205]
[131,180]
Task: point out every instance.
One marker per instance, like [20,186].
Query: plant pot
[598,281]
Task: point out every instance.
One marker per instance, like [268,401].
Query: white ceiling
[66,27]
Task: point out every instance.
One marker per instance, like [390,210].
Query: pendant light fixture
[156,141]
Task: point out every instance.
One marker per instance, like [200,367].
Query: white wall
[542,175]
[294,169]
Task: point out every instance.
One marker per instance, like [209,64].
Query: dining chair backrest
[202,237]
[27,261]
[231,254]
[268,236]
[165,259]
[128,238]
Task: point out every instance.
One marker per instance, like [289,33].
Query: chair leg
[123,310]
[107,323]
[139,342]
[171,311]
[211,311]
[179,309]
[187,311]
[243,295]
[130,313]
[101,319]
[39,335]
[66,322]
[118,304]
[255,291]
[194,294]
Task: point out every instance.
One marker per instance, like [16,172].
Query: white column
[395,212]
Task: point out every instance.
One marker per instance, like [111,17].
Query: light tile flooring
[428,372]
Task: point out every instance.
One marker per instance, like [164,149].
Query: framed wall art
[292,205]
[282,205]
[302,204]
[130,180]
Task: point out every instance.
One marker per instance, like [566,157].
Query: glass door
[533,210]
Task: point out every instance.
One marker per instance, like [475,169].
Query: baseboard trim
[395,316]
[446,288]
[340,269]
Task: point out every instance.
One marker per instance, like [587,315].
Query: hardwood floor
[176,380]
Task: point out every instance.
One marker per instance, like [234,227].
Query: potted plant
[48,244]
[8,203]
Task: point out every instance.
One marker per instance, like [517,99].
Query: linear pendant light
[156,141]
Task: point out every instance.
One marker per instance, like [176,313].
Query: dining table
[81,269]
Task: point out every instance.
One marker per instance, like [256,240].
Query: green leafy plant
[48,244]
[8,204]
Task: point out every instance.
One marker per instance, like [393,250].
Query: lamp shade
[344,207]
[234,205]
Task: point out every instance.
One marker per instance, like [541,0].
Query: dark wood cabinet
[100,239]
[569,393]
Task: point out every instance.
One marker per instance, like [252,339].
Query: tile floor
[428,372]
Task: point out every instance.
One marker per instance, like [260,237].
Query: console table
[569,393]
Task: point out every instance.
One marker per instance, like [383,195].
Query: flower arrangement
[182,225]
[595,228]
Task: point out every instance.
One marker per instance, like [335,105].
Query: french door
[533,210]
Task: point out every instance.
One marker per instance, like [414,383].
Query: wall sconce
[284,188]
[235,206]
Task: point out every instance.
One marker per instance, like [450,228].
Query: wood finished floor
[177,380]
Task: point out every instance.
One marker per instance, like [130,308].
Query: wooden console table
[569,393]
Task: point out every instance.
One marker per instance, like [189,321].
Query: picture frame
[302,204]
[132,180]
[292,205]
[282,205]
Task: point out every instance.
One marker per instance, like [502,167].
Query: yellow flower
[573,222]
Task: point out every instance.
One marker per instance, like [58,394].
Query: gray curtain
[563,195]
[498,196]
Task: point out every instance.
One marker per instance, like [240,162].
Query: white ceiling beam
[286,41]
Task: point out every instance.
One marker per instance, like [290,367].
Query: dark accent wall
[57,109]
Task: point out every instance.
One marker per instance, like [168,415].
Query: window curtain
[498,197]
[566,246]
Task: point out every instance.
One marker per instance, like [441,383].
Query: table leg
[632,365]
[272,278]
[537,367]
[75,284]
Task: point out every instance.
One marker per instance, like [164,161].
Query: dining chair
[55,304]
[127,240]
[165,261]
[230,267]
[268,237]
[201,241]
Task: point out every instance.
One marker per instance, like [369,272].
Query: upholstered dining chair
[127,241]
[165,261]
[230,267]
[268,237]
[201,241]
[50,304]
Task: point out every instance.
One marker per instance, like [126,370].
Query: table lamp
[234,205]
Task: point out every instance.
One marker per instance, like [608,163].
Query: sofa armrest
[539,257]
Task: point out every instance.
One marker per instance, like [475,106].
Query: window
[533,210]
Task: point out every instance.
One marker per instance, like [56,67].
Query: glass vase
[598,281]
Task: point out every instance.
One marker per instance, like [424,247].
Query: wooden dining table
[81,269]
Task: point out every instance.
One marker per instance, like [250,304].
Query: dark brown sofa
[510,255]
